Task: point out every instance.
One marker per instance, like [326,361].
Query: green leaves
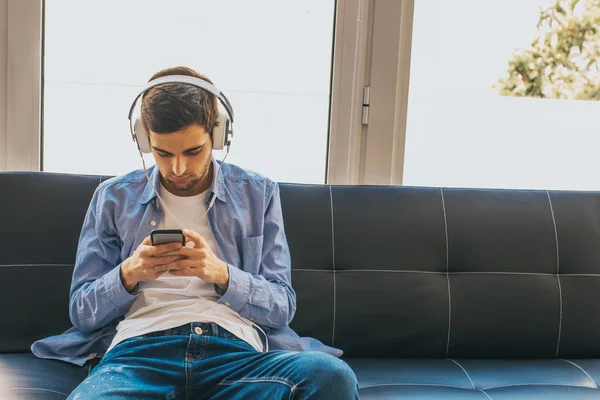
[563,60]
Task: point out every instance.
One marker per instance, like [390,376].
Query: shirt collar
[154,173]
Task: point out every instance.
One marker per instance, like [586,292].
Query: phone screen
[162,236]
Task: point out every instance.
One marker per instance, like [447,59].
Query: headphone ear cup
[228,132]
[219,132]
[141,137]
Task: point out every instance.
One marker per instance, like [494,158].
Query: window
[271,58]
[464,130]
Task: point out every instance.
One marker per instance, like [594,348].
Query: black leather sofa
[432,293]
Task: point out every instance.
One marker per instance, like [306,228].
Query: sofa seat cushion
[26,377]
[476,379]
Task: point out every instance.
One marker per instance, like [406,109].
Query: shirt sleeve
[268,297]
[97,294]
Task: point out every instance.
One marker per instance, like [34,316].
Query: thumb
[203,242]
[193,237]
[146,242]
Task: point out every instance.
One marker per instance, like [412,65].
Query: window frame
[21,57]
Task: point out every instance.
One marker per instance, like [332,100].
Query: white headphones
[222,133]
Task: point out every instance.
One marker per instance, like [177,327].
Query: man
[205,320]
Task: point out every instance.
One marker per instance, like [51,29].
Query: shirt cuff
[115,291]
[239,289]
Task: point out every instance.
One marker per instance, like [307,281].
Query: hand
[147,263]
[199,261]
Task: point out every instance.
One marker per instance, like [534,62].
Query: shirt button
[153,223]
[198,330]
[228,304]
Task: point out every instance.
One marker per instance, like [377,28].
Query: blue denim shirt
[247,223]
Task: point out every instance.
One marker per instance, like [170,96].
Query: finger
[184,252]
[204,242]
[185,263]
[193,237]
[146,242]
[165,248]
[156,262]
[159,269]
[149,251]
[145,251]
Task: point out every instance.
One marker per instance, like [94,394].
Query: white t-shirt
[171,301]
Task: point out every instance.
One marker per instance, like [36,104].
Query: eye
[194,153]
[163,155]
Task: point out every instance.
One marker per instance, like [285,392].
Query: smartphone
[162,236]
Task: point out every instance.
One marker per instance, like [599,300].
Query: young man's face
[184,160]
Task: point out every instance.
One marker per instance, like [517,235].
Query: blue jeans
[181,364]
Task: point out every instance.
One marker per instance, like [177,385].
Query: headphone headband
[190,80]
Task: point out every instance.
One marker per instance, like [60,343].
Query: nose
[178,166]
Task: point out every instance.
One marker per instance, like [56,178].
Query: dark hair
[171,107]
